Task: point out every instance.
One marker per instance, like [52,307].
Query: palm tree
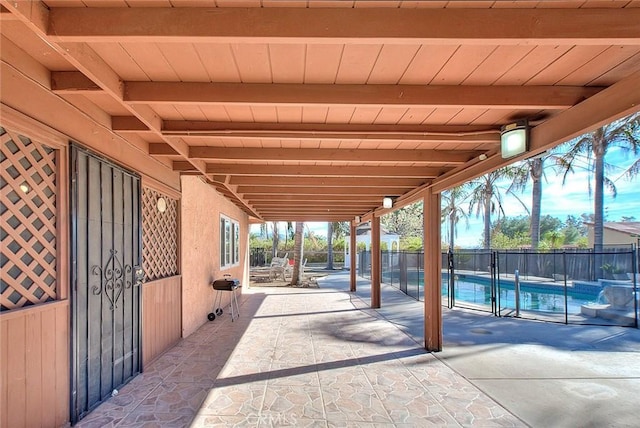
[533,169]
[296,278]
[486,197]
[276,239]
[624,134]
[452,211]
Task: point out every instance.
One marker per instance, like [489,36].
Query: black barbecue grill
[220,286]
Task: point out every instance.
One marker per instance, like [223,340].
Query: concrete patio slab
[546,374]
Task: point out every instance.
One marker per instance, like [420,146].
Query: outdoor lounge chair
[279,267]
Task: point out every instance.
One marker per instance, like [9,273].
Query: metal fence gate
[106,257]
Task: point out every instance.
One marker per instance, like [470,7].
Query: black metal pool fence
[568,286]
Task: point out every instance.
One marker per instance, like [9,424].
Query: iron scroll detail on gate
[112,279]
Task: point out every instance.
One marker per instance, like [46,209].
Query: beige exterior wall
[200,222]
[613,237]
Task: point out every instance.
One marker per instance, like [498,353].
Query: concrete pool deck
[546,374]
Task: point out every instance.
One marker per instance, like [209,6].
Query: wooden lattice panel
[28,228]
[159,236]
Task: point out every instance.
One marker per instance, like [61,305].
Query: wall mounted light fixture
[161,204]
[514,139]
[25,187]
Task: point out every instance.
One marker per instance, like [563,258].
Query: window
[229,242]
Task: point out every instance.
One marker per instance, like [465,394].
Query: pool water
[532,300]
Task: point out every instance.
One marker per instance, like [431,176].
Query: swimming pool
[533,297]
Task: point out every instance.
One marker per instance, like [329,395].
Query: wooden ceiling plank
[462,63]
[508,97]
[330,25]
[356,63]
[322,63]
[253,61]
[330,155]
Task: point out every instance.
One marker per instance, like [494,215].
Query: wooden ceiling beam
[303,209]
[339,25]
[257,198]
[195,128]
[315,170]
[308,217]
[308,204]
[408,96]
[325,181]
[321,131]
[354,191]
[128,124]
[433,157]
[72,82]
[315,203]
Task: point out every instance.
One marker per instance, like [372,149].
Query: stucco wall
[200,249]
[613,237]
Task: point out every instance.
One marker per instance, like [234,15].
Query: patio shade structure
[316,110]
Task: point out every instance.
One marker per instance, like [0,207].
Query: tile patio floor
[299,357]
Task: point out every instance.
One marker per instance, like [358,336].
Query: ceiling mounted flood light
[387,202]
[514,139]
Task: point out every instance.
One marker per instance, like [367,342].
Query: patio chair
[279,266]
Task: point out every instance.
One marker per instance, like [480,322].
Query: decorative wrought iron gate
[106,274]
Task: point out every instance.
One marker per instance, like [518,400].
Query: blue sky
[572,198]
[558,200]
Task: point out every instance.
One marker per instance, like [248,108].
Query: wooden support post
[352,257]
[432,273]
[375,262]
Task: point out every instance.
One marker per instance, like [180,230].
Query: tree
[289,234]
[406,221]
[296,278]
[592,149]
[486,197]
[511,227]
[329,246]
[452,212]
[276,239]
[532,169]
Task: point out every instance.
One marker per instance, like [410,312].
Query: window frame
[229,242]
